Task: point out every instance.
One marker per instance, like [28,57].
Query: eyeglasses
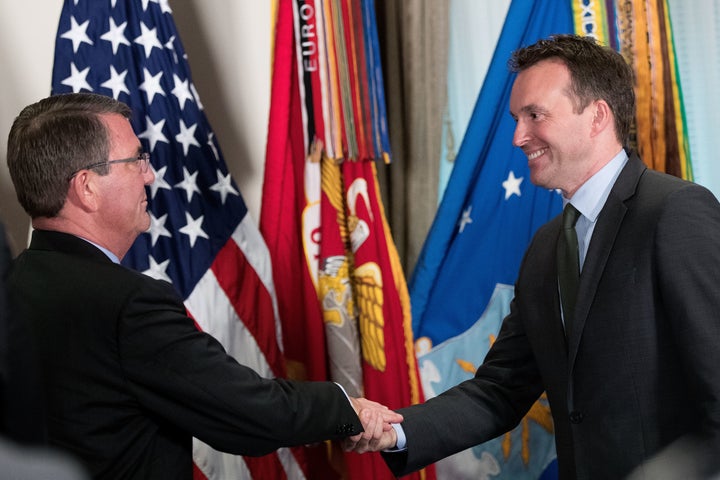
[143,159]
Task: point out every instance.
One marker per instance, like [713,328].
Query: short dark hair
[596,72]
[53,138]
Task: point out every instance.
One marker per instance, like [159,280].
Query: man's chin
[146,223]
[537,179]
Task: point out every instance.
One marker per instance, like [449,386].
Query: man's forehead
[117,124]
[543,75]
[537,88]
[544,68]
[120,131]
[113,118]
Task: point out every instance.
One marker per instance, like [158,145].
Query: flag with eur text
[201,238]
[463,283]
[342,295]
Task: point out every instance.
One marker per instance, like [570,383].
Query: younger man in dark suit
[630,360]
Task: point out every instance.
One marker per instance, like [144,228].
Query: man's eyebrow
[532,107]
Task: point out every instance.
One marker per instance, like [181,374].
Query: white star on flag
[148,39]
[159,181]
[158,270]
[197,97]
[186,137]
[151,85]
[77,34]
[189,184]
[193,229]
[181,91]
[157,228]
[512,185]
[164,6]
[77,79]
[116,35]
[116,83]
[223,186]
[170,46]
[153,132]
[211,144]
[465,219]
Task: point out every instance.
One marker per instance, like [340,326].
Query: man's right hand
[378,434]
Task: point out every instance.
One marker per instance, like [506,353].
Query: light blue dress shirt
[590,199]
[107,252]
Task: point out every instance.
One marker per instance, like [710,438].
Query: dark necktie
[568,265]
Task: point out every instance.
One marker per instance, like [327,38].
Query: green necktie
[568,265]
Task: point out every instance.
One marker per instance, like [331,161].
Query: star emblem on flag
[512,185]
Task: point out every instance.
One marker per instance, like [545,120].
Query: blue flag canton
[130,50]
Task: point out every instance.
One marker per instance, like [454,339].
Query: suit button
[576,417]
[346,429]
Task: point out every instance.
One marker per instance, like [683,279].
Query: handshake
[376,421]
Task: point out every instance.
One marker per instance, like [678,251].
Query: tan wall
[228,46]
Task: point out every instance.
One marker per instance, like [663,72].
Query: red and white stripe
[234,302]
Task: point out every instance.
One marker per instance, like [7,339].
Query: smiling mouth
[536,154]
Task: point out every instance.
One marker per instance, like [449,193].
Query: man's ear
[83,191]
[602,117]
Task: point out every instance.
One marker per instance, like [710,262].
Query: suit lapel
[601,244]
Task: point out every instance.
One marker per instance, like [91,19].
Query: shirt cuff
[401,439]
[345,392]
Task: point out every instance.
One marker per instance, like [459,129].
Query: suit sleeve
[475,411]
[186,377]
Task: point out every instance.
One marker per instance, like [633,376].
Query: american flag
[201,238]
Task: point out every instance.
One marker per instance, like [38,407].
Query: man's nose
[520,134]
[149,176]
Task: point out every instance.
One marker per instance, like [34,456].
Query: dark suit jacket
[641,371]
[129,379]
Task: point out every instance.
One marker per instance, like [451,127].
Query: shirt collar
[107,252]
[591,196]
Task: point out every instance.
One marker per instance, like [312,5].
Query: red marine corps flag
[342,295]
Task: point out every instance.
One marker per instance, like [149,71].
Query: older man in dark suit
[628,350]
[128,378]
